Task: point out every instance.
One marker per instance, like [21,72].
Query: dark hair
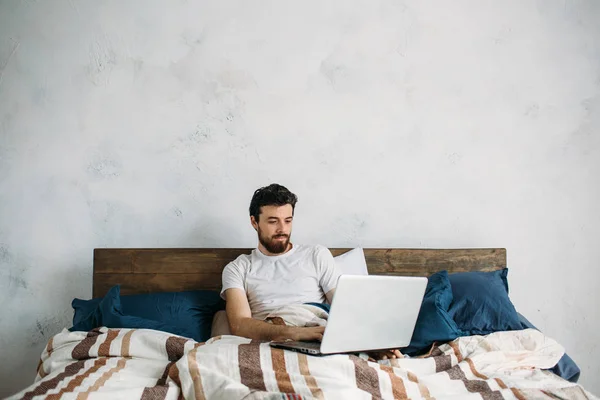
[272,195]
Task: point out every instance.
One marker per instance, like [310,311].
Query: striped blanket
[137,363]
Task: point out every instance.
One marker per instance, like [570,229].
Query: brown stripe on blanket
[436,352]
[474,386]
[398,388]
[442,363]
[50,346]
[456,350]
[310,380]
[163,378]
[433,351]
[367,378]
[104,349]
[40,369]
[422,388]
[75,382]
[518,394]
[126,343]
[195,373]
[501,383]
[250,368]
[554,396]
[473,370]
[44,386]
[49,349]
[495,395]
[175,347]
[82,350]
[102,380]
[281,375]
[158,391]
[174,375]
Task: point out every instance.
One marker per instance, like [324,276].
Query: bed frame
[174,270]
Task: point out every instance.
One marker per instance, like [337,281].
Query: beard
[271,244]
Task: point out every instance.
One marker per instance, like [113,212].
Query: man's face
[274,227]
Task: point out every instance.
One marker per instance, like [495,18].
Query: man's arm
[327,271]
[329,296]
[241,322]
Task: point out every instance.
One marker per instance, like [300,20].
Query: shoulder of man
[241,262]
[319,248]
[320,252]
[311,247]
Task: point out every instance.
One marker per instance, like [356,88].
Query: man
[277,273]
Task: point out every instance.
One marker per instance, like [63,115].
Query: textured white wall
[398,124]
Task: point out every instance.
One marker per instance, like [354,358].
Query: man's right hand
[297,333]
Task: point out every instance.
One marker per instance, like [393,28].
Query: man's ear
[254,222]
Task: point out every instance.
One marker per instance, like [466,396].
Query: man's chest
[282,279]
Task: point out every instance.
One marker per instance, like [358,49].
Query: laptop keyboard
[308,345]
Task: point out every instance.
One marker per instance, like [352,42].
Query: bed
[127,353]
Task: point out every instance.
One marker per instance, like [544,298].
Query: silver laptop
[369,312]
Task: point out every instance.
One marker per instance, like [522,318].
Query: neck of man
[266,252]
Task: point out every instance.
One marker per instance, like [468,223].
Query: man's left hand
[384,354]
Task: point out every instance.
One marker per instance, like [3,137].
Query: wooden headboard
[173,270]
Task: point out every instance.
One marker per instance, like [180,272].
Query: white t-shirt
[303,274]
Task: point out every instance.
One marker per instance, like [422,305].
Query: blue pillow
[481,304]
[84,308]
[190,312]
[108,313]
[434,324]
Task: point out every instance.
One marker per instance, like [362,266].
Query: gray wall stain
[454,158]
[104,167]
[43,328]
[102,60]
[201,134]
[177,211]
[5,255]
[584,139]
[13,272]
[533,111]
[333,73]
[4,63]
[39,94]
[16,282]
[40,328]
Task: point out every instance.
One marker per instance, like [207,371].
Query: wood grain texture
[166,270]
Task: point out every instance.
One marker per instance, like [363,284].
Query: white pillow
[352,262]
